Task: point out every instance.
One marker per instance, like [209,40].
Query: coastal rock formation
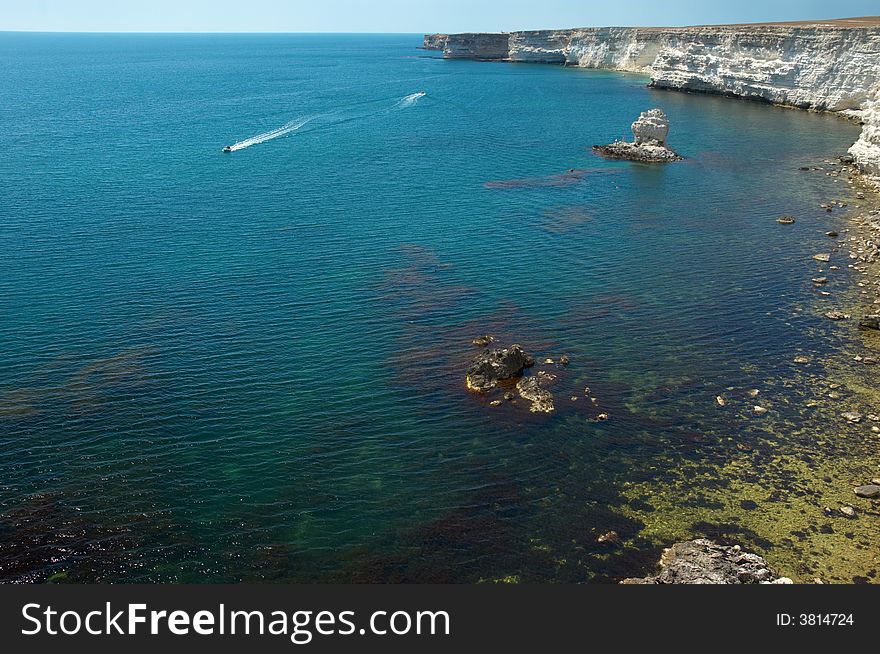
[651,127]
[533,389]
[436,41]
[495,365]
[636,152]
[866,151]
[704,562]
[650,131]
[825,65]
[470,46]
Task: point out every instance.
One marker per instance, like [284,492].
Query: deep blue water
[250,365]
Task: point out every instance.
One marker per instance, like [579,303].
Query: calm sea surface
[246,366]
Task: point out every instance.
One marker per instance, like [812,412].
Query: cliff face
[867,149]
[832,66]
[470,46]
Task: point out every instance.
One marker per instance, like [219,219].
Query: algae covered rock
[704,562]
[495,365]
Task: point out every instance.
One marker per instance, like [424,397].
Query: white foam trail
[287,128]
[338,117]
[410,100]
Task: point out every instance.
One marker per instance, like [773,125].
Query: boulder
[870,322]
[534,390]
[495,365]
[704,562]
[870,491]
[651,127]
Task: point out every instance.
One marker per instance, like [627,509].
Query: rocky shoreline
[831,65]
[702,561]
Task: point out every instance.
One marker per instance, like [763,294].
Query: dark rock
[483,341]
[704,562]
[870,322]
[832,234]
[564,360]
[509,396]
[493,366]
[637,152]
[609,538]
[869,491]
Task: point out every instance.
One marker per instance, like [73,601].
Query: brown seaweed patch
[47,538]
[560,220]
[83,389]
[561,180]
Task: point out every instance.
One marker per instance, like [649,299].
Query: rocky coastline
[650,131]
[842,387]
[702,561]
[821,65]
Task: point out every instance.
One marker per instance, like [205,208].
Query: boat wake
[331,119]
[287,128]
[410,100]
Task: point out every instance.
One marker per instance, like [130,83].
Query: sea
[249,365]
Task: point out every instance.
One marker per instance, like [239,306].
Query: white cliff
[866,150]
[831,65]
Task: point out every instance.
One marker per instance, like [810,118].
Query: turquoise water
[245,366]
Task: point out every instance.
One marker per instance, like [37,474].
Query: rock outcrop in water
[650,131]
[828,65]
[534,390]
[495,365]
[704,562]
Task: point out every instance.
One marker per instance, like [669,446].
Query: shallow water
[220,367]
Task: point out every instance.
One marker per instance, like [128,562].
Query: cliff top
[856,22]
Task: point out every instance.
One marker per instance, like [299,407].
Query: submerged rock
[870,491]
[650,131]
[483,341]
[533,389]
[495,365]
[870,322]
[836,315]
[704,562]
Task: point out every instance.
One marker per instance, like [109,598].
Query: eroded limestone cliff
[831,65]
